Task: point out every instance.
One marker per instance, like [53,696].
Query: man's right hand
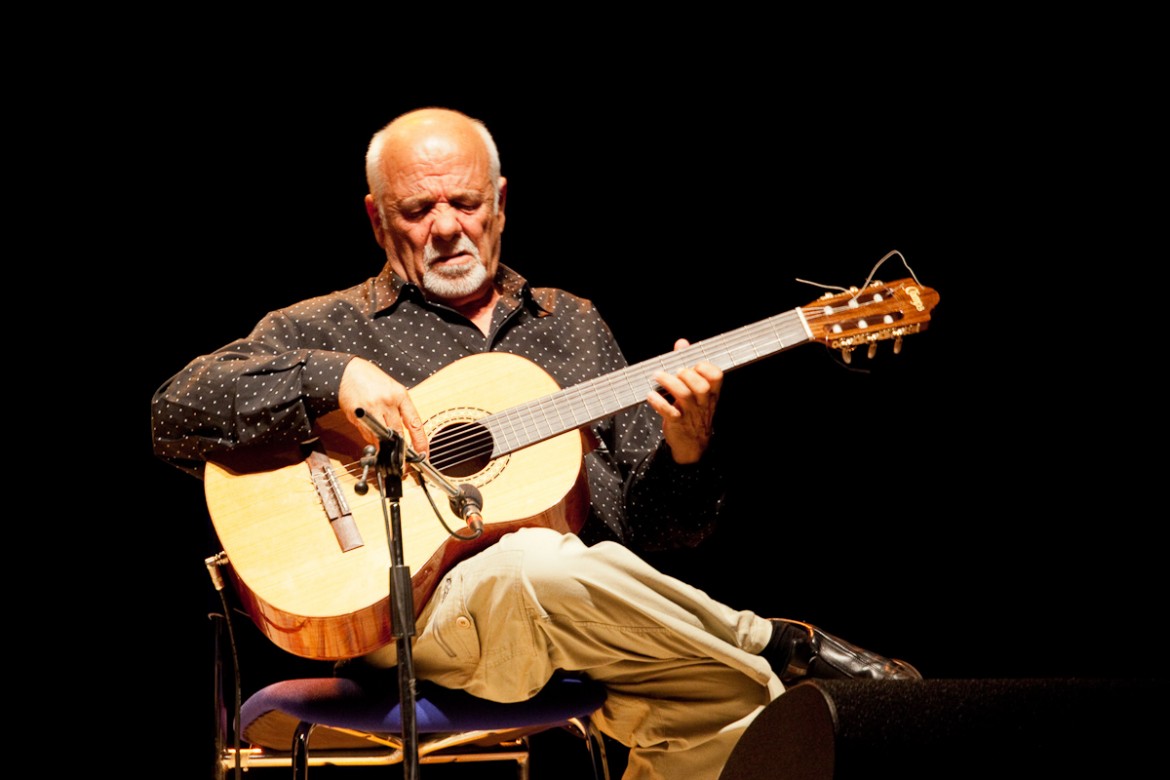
[365,386]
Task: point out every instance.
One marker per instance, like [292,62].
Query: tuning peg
[872,350]
[847,354]
[897,345]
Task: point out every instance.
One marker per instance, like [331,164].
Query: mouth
[452,266]
[448,264]
[458,255]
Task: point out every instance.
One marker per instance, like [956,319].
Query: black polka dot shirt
[269,387]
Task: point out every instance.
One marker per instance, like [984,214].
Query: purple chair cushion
[269,716]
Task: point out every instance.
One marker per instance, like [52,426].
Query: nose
[446,223]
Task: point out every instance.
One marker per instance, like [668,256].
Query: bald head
[416,126]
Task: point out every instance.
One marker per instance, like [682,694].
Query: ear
[503,200]
[375,220]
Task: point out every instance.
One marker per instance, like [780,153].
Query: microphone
[468,505]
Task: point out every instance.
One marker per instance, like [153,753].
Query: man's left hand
[687,421]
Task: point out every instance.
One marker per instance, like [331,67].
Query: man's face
[437,220]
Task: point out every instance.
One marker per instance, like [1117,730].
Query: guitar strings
[524,421]
[727,346]
[869,278]
[624,388]
[602,393]
[558,413]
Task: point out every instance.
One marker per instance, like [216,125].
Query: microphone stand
[389,464]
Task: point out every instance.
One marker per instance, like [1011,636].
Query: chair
[335,721]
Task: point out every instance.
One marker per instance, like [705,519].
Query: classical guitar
[309,555]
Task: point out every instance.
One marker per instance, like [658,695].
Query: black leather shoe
[815,654]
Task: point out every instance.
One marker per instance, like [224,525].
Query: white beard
[454,281]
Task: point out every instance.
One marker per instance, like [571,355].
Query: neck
[478,308]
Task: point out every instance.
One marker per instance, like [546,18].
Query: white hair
[376,177]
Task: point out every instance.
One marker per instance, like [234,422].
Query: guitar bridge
[333,501]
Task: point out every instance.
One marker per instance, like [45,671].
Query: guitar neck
[585,403]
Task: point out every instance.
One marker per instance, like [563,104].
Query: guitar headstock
[882,310]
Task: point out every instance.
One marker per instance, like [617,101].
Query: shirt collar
[387,288]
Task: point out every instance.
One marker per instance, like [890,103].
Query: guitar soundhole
[461,449]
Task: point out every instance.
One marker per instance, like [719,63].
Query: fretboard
[591,400]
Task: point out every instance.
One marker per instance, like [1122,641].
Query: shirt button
[463,621]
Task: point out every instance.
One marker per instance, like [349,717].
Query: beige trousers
[681,669]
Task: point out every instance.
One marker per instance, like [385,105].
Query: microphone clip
[392,452]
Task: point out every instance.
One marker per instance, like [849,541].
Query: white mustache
[465,244]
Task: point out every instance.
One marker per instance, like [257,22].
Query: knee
[550,563]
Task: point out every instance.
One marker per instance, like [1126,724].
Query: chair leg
[522,762]
[596,744]
[221,734]
[300,750]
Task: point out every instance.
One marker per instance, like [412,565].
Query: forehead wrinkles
[437,167]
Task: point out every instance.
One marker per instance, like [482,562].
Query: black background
[978,504]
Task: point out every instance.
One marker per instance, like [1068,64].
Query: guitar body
[315,598]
